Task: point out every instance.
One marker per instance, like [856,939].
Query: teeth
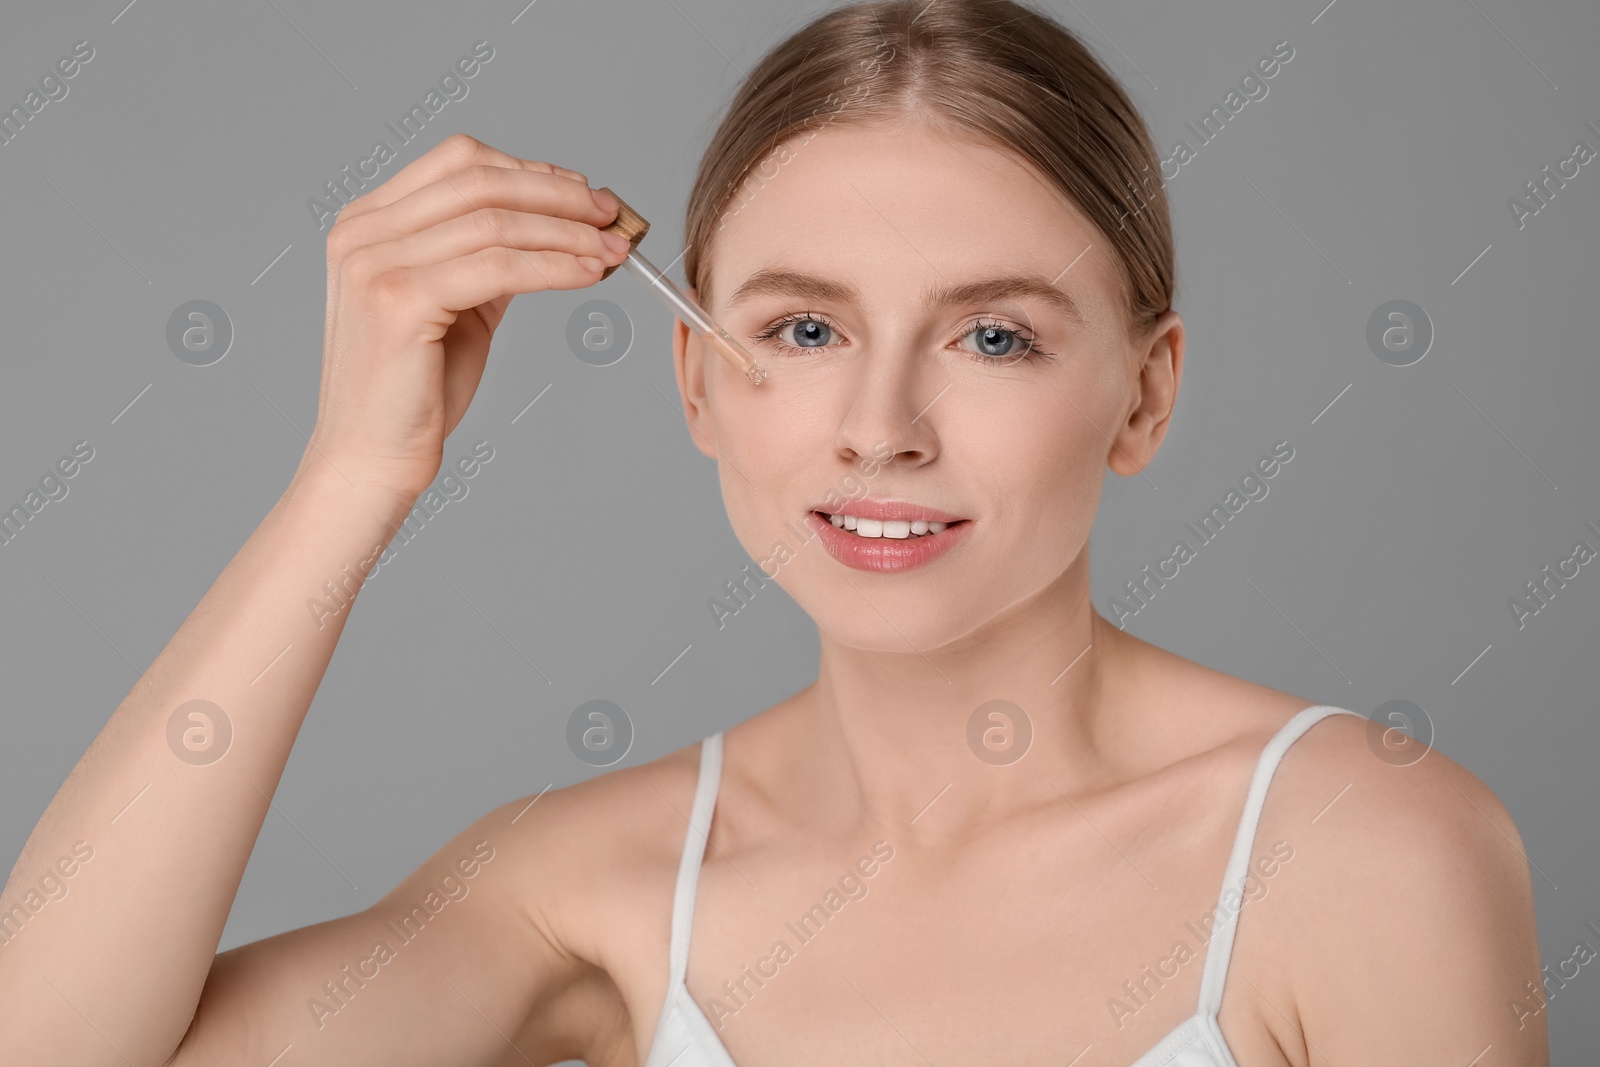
[895,528]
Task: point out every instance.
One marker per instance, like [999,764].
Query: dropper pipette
[632,227]
[693,316]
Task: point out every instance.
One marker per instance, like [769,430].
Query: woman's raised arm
[157,820]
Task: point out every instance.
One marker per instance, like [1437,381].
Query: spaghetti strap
[694,850]
[1221,946]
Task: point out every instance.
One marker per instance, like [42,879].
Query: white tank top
[685,1037]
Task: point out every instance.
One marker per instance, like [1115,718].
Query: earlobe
[688,357]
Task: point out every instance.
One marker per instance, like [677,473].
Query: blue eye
[999,345]
[1002,344]
[813,332]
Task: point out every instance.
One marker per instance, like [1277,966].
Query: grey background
[1378,167]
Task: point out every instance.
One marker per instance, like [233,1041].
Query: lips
[887,554]
[887,509]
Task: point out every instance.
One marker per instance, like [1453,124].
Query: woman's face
[832,249]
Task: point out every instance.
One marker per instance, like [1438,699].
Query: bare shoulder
[564,927]
[583,877]
[604,853]
[1390,912]
[1408,905]
[1399,790]
[1391,814]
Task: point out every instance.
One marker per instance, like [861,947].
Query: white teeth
[895,528]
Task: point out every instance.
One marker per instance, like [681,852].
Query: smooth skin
[1018,899]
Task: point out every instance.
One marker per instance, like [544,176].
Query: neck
[934,744]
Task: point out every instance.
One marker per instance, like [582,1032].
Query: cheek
[767,453]
[767,437]
[1047,467]
[786,424]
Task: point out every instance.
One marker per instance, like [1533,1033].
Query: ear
[1157,359]
[688,358]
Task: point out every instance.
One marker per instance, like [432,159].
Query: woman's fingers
[483,276]
[455,152]
[478,187]
[487,228]
[420,272]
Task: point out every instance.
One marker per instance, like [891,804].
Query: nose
[891,399]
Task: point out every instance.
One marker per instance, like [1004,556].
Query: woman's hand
[420,272]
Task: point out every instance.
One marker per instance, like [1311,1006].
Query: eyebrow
[783,282]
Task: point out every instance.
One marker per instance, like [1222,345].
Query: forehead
[895,210]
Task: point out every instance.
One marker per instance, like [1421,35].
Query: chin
[902,628]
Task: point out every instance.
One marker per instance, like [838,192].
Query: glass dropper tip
[735,354]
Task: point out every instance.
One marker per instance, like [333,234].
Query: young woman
[996,829]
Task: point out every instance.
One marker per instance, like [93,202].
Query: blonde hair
[993,70]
